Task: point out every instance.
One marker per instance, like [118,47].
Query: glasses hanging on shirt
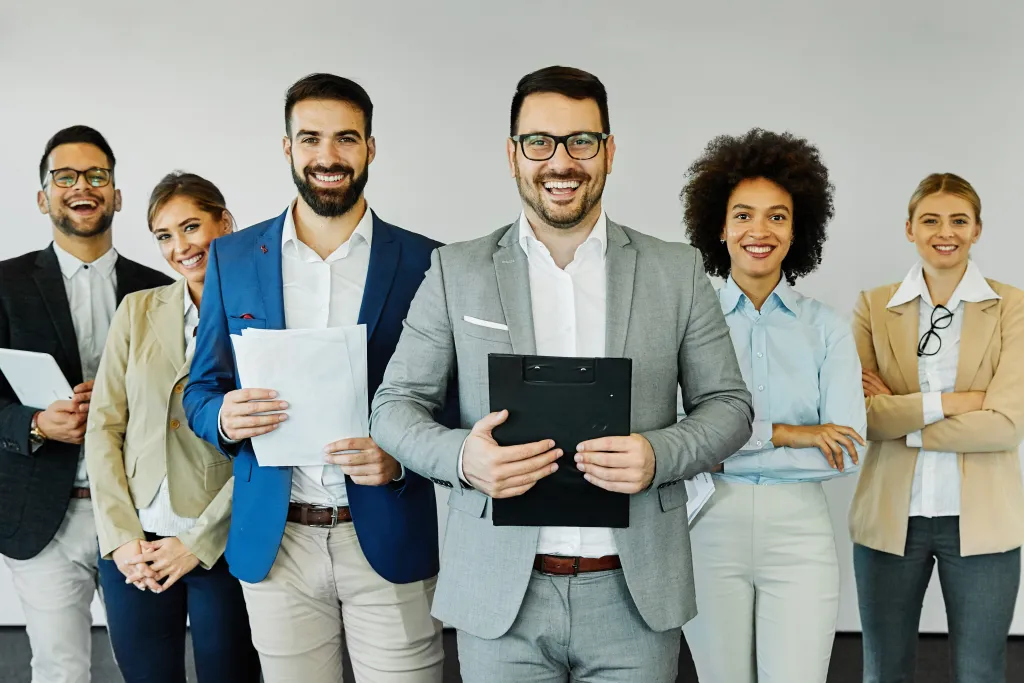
[931,342]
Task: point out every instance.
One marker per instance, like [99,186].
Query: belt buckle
[334,517]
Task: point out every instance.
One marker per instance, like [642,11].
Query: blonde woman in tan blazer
[943,364]
[161,495]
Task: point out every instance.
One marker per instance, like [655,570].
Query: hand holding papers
[321,374]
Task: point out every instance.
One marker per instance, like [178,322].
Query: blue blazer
[397,523]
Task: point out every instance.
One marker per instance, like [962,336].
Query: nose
[81,183]
[180,243]
[561,158]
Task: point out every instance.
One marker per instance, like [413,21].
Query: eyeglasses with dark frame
[941,318]
[541,147]
[68,177]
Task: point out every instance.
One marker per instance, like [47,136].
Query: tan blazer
[987,441]
[137,432]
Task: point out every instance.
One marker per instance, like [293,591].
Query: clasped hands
[623,464]
[146,564]
[248,413]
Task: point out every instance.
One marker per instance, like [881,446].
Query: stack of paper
[698,492]
[321,373]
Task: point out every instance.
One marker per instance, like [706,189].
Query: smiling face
[758,229]
[943,227]
[184,231]
[562,192]
[81,210]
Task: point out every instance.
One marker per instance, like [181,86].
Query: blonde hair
[948,183]
[200,190]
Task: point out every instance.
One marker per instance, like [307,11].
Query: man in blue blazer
[351,543]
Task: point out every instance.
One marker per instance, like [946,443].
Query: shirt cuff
[401,475]
[933,412]
[462,475]
[760,437]
[914,440]
[220,429]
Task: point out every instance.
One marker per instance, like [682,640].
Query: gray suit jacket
[662,312]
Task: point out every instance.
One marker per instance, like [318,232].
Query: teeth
[192,261]
[948,248]
[758,249]
[562,184]
[82,202]
[328,178]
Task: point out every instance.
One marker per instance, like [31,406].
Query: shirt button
[175,424]
[760,355]
[760,388]
[178,388]
[758,443]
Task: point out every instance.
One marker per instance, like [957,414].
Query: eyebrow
[340,133]
[185,222]
[952,215]
[776,207]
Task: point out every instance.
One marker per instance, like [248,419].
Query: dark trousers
[979,592]
[147,630]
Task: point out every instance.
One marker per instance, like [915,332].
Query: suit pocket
[469,501]
[237,323]
[242,467]
[673,496]
[488,334]
[217,474]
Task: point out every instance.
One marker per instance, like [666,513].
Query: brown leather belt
[79,492]
[558,565]
[317,515]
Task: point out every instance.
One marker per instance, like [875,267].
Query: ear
[510,150]
[43,202]
[910,231]
[227,223]
[371,150]
[286,147]
[117,200]
[722,236]
[977,232]
[609,155]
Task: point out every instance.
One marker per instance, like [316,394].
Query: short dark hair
[790,162]
[563,80]
[328,87]
[71,136]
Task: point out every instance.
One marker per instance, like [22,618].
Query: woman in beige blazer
[943,364]
[161,495]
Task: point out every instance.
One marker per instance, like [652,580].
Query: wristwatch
[36,438]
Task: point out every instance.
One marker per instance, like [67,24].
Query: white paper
[698,492]
[321,374]
[35,377]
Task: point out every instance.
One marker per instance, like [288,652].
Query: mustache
[568,175]
[330,170]
[98,199]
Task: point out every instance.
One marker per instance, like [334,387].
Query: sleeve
[117,521]
[15,418]
[208,538]
[715,398]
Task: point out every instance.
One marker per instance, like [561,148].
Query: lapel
[50,281]
[512,270]
[168,323]
[979,325]
[267,262]
[902,327]
[127,279]
[621,268]
[380,274]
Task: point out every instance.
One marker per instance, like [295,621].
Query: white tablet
[35,378]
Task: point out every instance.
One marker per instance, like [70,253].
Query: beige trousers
[767,581]
[322,583]
[56,589]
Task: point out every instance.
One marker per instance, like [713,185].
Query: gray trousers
[583,628]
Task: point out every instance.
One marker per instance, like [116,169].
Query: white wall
[890,91]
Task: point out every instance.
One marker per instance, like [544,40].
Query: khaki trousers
[56,589]
[321,583]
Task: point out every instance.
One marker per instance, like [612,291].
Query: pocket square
[485,323]
[247,316]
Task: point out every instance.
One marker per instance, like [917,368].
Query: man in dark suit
[60,301]
[351,541]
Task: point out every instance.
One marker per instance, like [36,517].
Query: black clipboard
[569,400]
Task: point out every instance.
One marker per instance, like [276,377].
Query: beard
[66,224]
[561,217]
[330,203]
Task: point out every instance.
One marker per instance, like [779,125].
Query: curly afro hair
[788,161]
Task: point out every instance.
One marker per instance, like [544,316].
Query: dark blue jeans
[979,591]
[147,630]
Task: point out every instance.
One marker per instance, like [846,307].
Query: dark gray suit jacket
[661,312]
[35,488]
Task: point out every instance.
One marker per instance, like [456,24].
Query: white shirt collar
[70,265]
[599,234]
[364,231]
[190,307]
[973,288]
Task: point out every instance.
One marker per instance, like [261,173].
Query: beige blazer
[137,432]
[987,441]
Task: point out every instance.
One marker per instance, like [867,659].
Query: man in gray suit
[554,603]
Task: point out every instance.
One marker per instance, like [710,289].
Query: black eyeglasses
[95,177]
[941,319]
[541,147]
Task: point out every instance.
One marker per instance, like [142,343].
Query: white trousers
[767,582]
[56,588]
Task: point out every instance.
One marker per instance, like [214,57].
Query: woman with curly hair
[943,357]
[765,566]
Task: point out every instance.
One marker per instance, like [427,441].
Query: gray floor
[932,662]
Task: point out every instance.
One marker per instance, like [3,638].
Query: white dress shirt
[321,293]
[92,296]
[936,488]
[569,315]
[159,517]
